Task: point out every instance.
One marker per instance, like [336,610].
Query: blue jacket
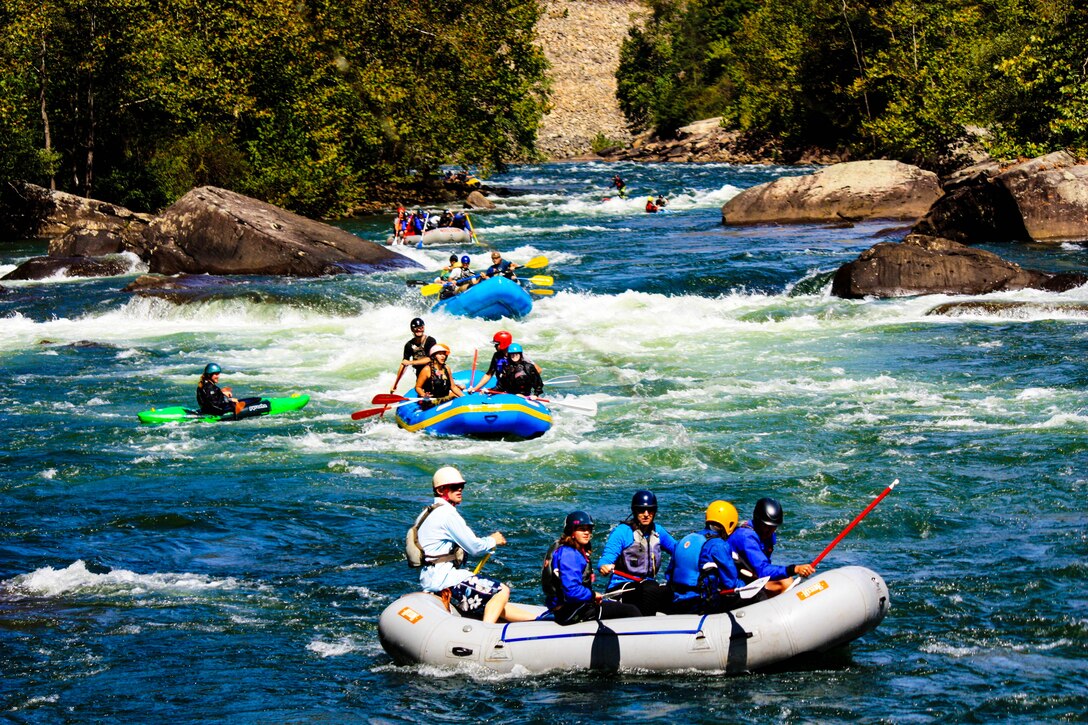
[754,554]
[620,549]
[717,551]
[574,578]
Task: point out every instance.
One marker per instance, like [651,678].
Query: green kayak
[267,406]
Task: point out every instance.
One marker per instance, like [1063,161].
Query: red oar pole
[854,523]
[472,375]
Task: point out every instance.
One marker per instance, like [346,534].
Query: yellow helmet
[724,514]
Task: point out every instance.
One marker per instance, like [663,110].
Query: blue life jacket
[683,572]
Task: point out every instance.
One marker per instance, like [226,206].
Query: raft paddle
[472,375]
[564,380]
[539,291]
[430,289]
[748,590]
[536,263]
[481,564]
[388,399]
[360,414]
[542,280]
[588,408]
[854,523]
[471,231]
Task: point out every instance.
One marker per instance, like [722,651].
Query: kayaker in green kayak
[215,400]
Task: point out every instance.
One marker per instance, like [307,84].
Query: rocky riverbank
[581,40]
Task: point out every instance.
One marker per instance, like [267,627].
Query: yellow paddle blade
[537,263]
[538,291]
[430,289]
[542,279]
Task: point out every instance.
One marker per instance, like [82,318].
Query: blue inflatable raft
[491,299]
[480,415]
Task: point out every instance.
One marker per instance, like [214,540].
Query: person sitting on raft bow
[443,534]
[632,555]
[567,577]
[435,384]
[519,376]
[215,400]
[415,350]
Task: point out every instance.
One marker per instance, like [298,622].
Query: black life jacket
[438,384]
[520,378]
[211,399]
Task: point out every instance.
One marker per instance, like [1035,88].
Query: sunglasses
[455,487]
[645,511]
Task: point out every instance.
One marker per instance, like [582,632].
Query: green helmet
[212,369]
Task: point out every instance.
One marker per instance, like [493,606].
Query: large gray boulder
[1040,200]
[78,227]
[850,191]
[45,267]
[215,231]
[922,265]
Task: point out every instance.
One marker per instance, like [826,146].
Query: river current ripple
[235,572]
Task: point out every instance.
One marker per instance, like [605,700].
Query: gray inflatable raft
[435,237]
[825,611]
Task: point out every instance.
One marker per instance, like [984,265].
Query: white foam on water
[76,579]
[342,646]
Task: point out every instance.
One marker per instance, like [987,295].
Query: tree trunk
[45,121]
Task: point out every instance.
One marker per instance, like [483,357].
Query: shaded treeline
[904,79]
[305,103]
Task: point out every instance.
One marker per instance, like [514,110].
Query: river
[235,572]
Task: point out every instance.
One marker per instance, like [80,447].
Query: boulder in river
[216,231]
[930,265]
[28,210]
[477,200]
[850,191]
[1041,200]
[45,267]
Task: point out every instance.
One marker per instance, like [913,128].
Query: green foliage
[895,78]
[675,70]
[602,143]
[305,104]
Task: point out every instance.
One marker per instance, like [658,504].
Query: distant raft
[436,237]
[267,406]
[491,299]
[825,612]
[479,415]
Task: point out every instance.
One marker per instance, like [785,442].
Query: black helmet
[643,500]
[416,322]
[767,512]
[576,519]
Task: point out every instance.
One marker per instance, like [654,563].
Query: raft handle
[461,652]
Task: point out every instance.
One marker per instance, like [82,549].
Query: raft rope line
[504,640]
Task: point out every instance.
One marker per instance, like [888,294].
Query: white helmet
[447,476]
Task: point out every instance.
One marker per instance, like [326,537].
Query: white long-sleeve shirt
[442,529]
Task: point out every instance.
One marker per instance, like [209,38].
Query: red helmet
[503,339]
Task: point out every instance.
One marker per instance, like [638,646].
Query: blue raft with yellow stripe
[479,415]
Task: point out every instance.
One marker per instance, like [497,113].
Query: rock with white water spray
[922,265]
